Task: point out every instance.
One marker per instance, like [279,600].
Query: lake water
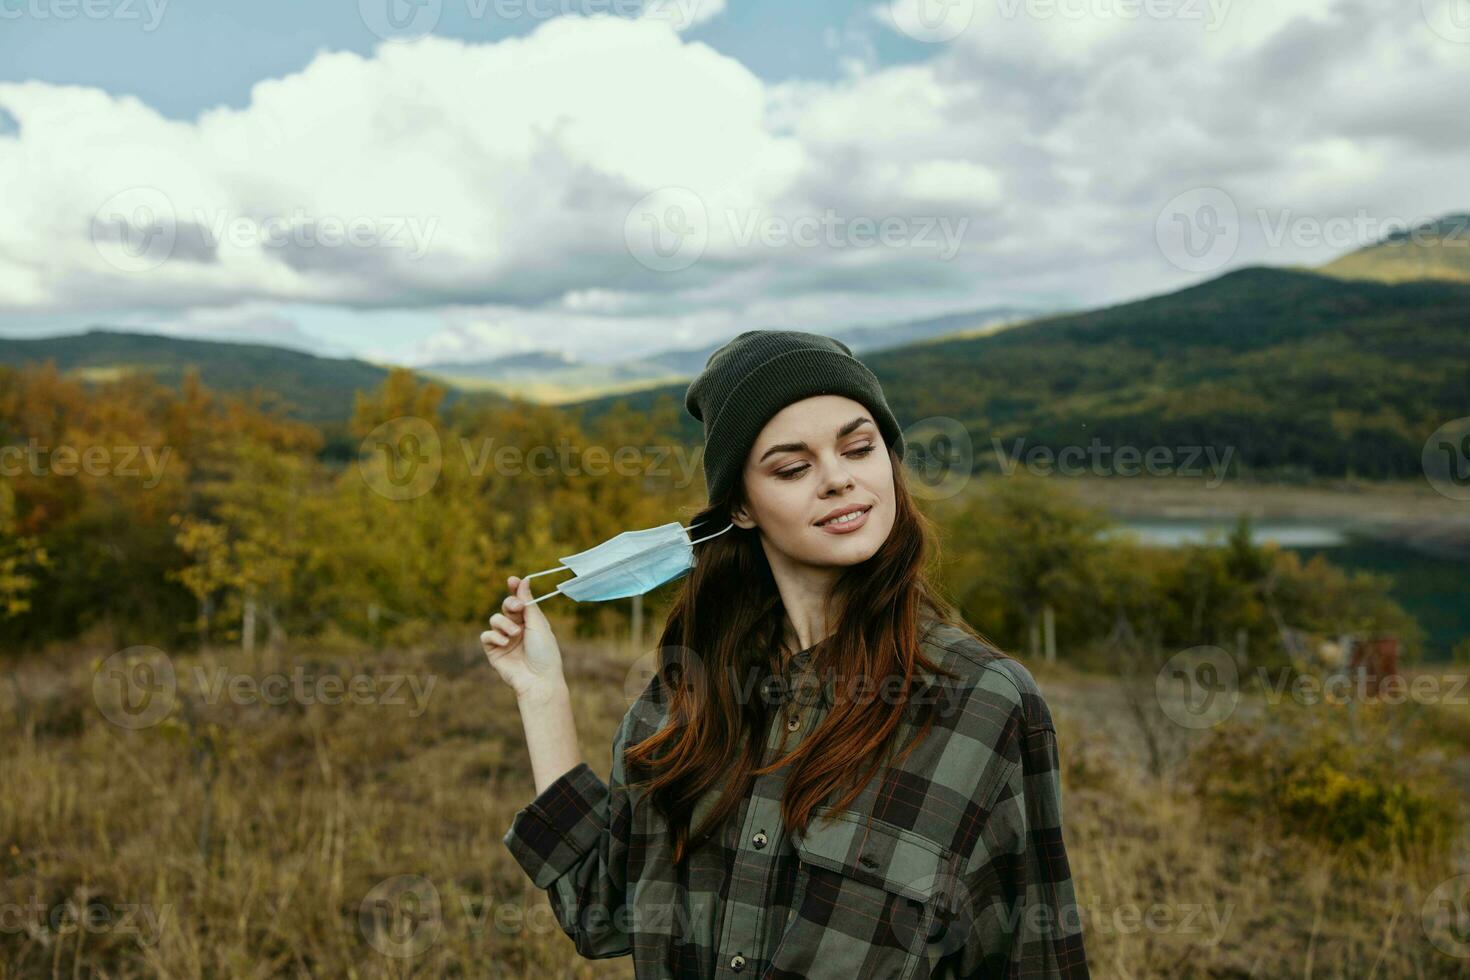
[1434,590]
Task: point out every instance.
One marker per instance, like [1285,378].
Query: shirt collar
[800,662]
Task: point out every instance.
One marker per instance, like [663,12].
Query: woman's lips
[845,527]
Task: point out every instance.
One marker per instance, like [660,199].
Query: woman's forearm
[551,734]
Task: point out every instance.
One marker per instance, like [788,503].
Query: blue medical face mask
[628,564]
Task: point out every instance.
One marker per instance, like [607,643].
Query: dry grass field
[353,828]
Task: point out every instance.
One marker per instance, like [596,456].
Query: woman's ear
[741,518]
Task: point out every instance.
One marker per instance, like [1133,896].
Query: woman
[882,802]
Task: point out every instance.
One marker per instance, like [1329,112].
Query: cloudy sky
[432,180]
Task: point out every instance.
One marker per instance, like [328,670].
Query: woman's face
[816,456]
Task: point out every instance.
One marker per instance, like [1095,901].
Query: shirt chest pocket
[867,901]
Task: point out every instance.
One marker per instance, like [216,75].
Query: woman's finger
[493,638]
[505,624]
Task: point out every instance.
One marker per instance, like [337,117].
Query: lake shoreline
[1406,513]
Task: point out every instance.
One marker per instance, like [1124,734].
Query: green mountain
[1434,250]
[308,387]
[1283,369]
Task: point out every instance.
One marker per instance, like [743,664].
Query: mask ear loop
[561,567]
[715,535]
[548,595]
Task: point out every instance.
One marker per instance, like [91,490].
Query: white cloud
[494,187]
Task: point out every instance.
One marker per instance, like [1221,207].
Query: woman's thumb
[535,618]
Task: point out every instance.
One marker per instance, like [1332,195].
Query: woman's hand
[521,646]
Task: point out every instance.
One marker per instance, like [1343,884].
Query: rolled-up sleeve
[572,840]
[1026,921]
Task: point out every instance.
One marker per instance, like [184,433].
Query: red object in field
[1377,657]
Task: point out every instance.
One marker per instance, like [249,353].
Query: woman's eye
[792,474]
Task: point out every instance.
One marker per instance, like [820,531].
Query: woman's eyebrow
[801,447]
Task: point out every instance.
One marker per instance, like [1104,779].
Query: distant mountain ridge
[556,377]
[498,367]
[315,389]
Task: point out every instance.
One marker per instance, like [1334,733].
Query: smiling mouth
[850,516]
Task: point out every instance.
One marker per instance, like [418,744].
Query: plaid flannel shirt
[950,864]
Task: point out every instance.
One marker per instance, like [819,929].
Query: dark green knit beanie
[759,373]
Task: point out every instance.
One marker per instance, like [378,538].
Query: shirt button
[737,962]
[760,839]
[792,723]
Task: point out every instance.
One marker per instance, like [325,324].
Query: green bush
[1333,773]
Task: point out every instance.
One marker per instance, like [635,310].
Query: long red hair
[720,644]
